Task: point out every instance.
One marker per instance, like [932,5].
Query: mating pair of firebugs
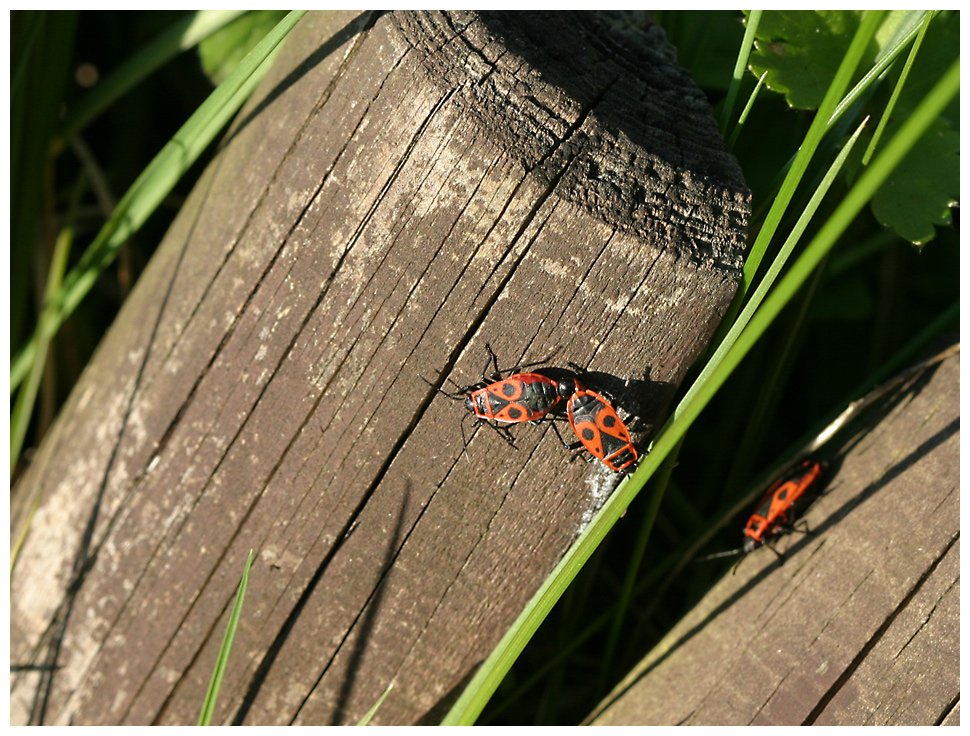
[530,397]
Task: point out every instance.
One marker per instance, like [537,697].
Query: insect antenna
[717,555]
[740,553]
[464,440]
[452,396]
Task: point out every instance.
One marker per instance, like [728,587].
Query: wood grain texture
[404,188]
[860,625]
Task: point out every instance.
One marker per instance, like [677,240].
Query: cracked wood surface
[861,624]
[404,188]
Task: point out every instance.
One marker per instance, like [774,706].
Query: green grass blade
[376,707]
[156,181]
[633,570]
[885,59]
[743,117]
[835,91]
[181,35]
[730,327]
[685,551]
[757,297]
[42,50]
[471,702]
[751,28]
[774,377]
[24,405]
[850,206]
[887,113]
[795,169]
[820,125]
[212,694]
[725,335]
[34,23]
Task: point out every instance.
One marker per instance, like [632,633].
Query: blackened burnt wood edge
[601,110]
[368,222]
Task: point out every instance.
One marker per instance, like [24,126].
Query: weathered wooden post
[405,188]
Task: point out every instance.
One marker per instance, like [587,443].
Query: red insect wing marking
[513,413]
[781,501]
[757,525]
[609,421]
[773,510]
[522,397]
[589,435]
[619,452]
[510,389]
[601,430]
[505,406]
[580,413]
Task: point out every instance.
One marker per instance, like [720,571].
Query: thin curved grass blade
[222,661]
[369,715]
[24,405]
[181,35]
[155,183]
[744,52]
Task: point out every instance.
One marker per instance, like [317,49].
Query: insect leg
[573,446]
[493,359]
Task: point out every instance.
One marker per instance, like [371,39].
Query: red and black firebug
[781,505]
[598,426]
[778,510]
[516,398]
